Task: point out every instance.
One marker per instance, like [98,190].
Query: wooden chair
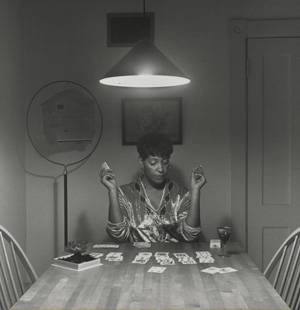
[284,269]
[16,272]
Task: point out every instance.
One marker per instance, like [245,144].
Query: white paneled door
[273,144]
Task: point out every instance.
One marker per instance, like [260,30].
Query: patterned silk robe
[142,222]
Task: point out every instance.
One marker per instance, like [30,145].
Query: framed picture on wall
[126,29]
[144,115]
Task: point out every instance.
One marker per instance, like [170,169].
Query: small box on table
[77,263]
[215,243]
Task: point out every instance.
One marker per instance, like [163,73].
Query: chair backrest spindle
[3,297]
[15,270]
[7,274]
[286,266]
[295,297]
[297,306]
[279,269]
[294,278]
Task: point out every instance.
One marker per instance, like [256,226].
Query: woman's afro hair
[154,144]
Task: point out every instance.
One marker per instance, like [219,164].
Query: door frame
[240,31]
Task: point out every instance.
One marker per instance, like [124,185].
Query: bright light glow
[145,81]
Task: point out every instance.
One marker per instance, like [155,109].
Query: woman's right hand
[107,178]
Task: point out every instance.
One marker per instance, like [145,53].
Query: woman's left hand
[197,178]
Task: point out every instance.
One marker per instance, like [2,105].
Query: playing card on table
[115,259]
[226,270]
[142,260]
[188,261]
[204,257]
[206,260]
[167,261]
[96,255]
[180,255]
[114,256]
[157,269]
[162,257]
[106,246]
[184,258]
[202,254]
[158,254]
[142,244]
[144,254]
[211,270]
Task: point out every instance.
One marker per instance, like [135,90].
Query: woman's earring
[141,171]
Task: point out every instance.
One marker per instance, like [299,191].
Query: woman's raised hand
[107,178]
[197,178]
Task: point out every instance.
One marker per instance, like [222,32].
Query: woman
[153,208]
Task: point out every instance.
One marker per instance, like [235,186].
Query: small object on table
[77,261]
[215,243]
[106,246]
[224,234]
[76,246]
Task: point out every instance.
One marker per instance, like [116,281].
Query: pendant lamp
[144,66]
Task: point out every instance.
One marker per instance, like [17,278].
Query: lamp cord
[144,14]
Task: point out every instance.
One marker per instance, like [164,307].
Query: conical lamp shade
[144,66]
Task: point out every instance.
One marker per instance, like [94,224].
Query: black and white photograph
[150,154]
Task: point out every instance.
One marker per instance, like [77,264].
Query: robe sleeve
[180,229]
[120,232]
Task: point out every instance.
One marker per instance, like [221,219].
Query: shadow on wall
[84,230]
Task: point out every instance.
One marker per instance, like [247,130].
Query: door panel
[273,202]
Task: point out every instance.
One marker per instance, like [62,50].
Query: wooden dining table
[127,285]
